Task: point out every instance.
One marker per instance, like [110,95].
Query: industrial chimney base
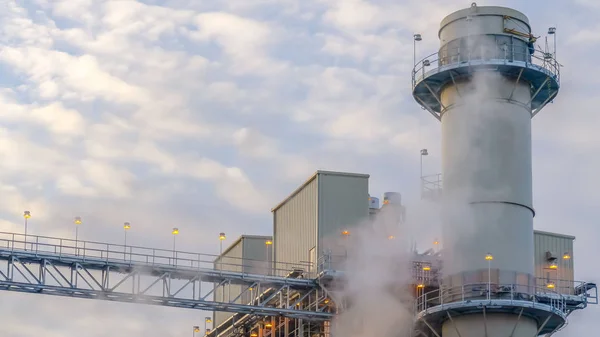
[539,314]
[492,325]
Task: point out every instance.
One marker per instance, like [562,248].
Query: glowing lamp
[196,329]
[175,231]
[268,242]
[566,256]
[208,320]
[27,214]
[489,257]
[426,268]
[77,220]
[127,225]
[221,236]
[345,232]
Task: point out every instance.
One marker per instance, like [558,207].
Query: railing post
[512,291]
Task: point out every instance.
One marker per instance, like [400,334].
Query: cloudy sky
[204,114]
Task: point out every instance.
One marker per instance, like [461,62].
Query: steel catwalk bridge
[101,271]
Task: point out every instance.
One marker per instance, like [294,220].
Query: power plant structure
[485,87]
[493,276]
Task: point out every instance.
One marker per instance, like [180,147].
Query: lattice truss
[174,287]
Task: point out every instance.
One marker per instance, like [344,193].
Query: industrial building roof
[239,239]
[565,236]
[313,177]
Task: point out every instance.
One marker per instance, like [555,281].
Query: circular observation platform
[542,73]
[549,312]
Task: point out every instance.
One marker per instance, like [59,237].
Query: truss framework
[72,276]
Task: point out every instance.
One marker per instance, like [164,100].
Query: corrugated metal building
[248,254]
[307,222]
[554,259]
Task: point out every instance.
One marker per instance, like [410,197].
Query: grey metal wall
[558,244]
[248,254]
[229,261]
[342,206]
[315,215]
[257,254]
[295,225]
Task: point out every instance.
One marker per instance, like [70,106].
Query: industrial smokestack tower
[485,84]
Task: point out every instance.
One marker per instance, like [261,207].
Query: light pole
[175,232]
[268,245]
[77,222]
[194,330]
[26,215]
[345,235]
[416,38]
[126,227]
[489,257]
[552,31]
[221,239]
[554,266]
[423,153]
[207,320]
[566,256]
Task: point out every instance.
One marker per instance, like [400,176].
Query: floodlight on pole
[77,221]
[175,232]
[489,257]
[423,153]
[268,244]
[222,238]
[416,38]
[552,31]
[26,216]
[126,227]
[194,330]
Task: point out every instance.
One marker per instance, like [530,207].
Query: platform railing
[477,55]
[92,251]
[491,292]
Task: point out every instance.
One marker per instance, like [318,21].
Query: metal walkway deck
[93,270]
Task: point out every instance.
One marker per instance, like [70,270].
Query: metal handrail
[454,56]
[488,292]
[118,253]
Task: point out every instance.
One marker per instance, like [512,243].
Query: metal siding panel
[557,245]
[343,204]
[232,261]
[295,223]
